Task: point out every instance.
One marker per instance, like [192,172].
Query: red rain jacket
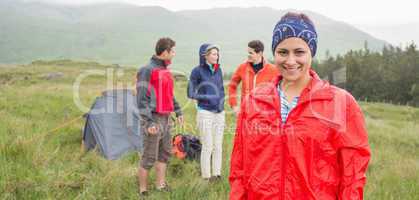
[321,152]
[249,79]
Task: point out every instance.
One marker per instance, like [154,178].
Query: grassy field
[38,164]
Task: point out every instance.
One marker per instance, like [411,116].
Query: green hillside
[125,34]
[38,164]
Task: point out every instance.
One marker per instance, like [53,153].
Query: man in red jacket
[298,138]
[156,101]
[255,71]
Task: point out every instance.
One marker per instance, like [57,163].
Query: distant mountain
[126,34]
[397,34]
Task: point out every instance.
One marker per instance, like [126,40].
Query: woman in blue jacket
[207,88]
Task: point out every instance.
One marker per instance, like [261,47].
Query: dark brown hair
[164,44]
[257,45]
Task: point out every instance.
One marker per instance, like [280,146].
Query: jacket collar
[317,89]
[263,62]
[160,62]
[216,66]
[250,65]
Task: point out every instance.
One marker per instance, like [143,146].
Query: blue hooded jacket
[205,85]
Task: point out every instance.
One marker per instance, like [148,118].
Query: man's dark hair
[164,44]
[256,45]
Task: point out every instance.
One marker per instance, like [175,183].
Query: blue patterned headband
[295,27]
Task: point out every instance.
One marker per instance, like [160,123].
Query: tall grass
[37,164]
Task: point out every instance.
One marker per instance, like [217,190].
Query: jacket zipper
[282,190]
[254,81]
[283,171]
[299,104]
[255,77]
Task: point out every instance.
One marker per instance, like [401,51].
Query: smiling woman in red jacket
[300,137]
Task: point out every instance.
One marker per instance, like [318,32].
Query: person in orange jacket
[300,137]
[253,72]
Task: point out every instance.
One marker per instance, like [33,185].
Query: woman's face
[212,56]
[293,58]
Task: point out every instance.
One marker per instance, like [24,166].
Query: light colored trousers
[211,127]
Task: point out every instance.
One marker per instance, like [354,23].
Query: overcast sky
[350,11]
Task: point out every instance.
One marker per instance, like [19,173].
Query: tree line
[391,75]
